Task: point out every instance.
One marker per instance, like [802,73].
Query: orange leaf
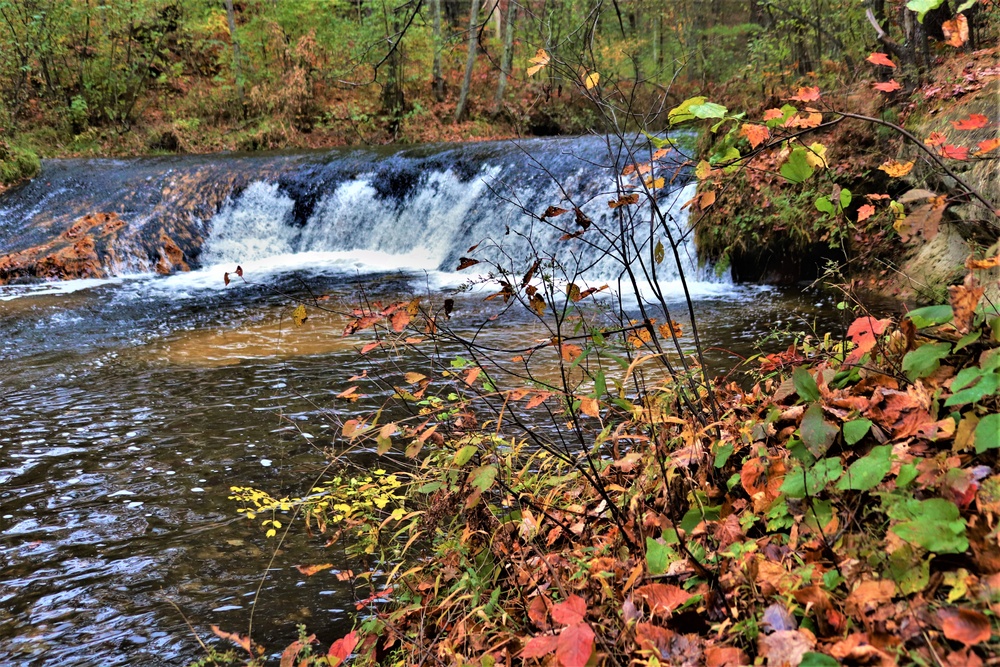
[956,31]
[590,407]
[342,648]
[661,152]
[771,114]
[540,646]
[570,352]
[981,264]
[987,146]
[570,611]
[625,200]
[575,645]
[471,375]
[973,122]
[368,347]
[347,393]
[864,333]
[880,59]
[662,598]
[807,94]
[955,152]
[865,212]
[964,625]
[935,139]
[755,134]
[964,299]
[399,320]
[240,640]
[887,87]
[896,169]
[537,400]
[553,211]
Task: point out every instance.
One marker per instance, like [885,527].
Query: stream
[130,402]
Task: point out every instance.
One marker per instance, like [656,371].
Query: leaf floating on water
[310,570]
[299,315]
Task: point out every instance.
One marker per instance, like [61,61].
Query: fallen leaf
[575,645]
[888,87]
[786,648]
[662,598]
[964,625]
[865,212]
[569,611]
[864,333]
[935,139]
[538,611]
[973,122]
[981,264]
[987,146]
[807,94]
[880,59]
[954,152]
[540,646]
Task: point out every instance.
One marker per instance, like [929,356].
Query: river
[130,402]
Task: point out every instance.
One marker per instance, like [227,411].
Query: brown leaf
[399,320]
[569,611]
[964,625]
[663,598]
[653,638]
[582,219]
[956,30]
[575,645]
[239,271]
[624,200]
[590,407]
[466,262]
[471,375]
[238,639]
[869,595]
[225,277]
[724,656]
[540,646]
[786,647]
[538,612]
[982,264]
[964,299]
[554,211]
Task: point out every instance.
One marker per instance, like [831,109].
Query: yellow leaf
[299,315]
[896,169]
[540,60]
[590,406]
[702,170]
[707,199]
[654,183]
[592,80]
[816,156]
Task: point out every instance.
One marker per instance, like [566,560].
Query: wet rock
[82,251]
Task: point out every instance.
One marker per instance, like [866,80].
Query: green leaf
[937,526]
[465,454]
[805,384]
[924,360]
[722,454]
[657,556]
[706,110]
[907,473]
[987,386]
[929,316]
[845,198]
[430,487]
[787,112]
[817,433]
[921,7]
[797,168]
[483,476]
[658,252]
[813,659]
[682,112]
[868,471]
[824,205]
[802,482]
[855,430]
[987,433]
[968,339]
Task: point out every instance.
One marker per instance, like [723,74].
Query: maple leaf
[865,212]
[987,146]
[973,122]
[896,169]
[880,59]
[887,87]
[964,299]
[755,134]
[864,333]
[955,152]
[575,645]
[935,139]
[771,114]
[807,94]
[981,264]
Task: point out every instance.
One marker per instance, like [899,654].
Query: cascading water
[355,211]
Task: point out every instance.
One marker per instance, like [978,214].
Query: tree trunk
[393,100]
[237,68]
[437,82]
[508,55]
[469,63]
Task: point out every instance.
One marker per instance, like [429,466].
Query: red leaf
[238,639]
[864,333]
[575,645]
[880,59]
[342,648]
[987,146]
[807,94]
[964,625]
[570,611]
[887,87]
[935,139]
[973,122]
[955,152]
[865,212]
[540,646]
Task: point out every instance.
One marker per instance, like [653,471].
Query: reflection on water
[128,413]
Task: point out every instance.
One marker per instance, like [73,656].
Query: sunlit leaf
[935,139]
[987,146]
[953,152]
[880,59]
[797,168]
[682,112]
[592,80]
[896,169]
[755,134]
[807,94]
[299,315]
[540,60]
